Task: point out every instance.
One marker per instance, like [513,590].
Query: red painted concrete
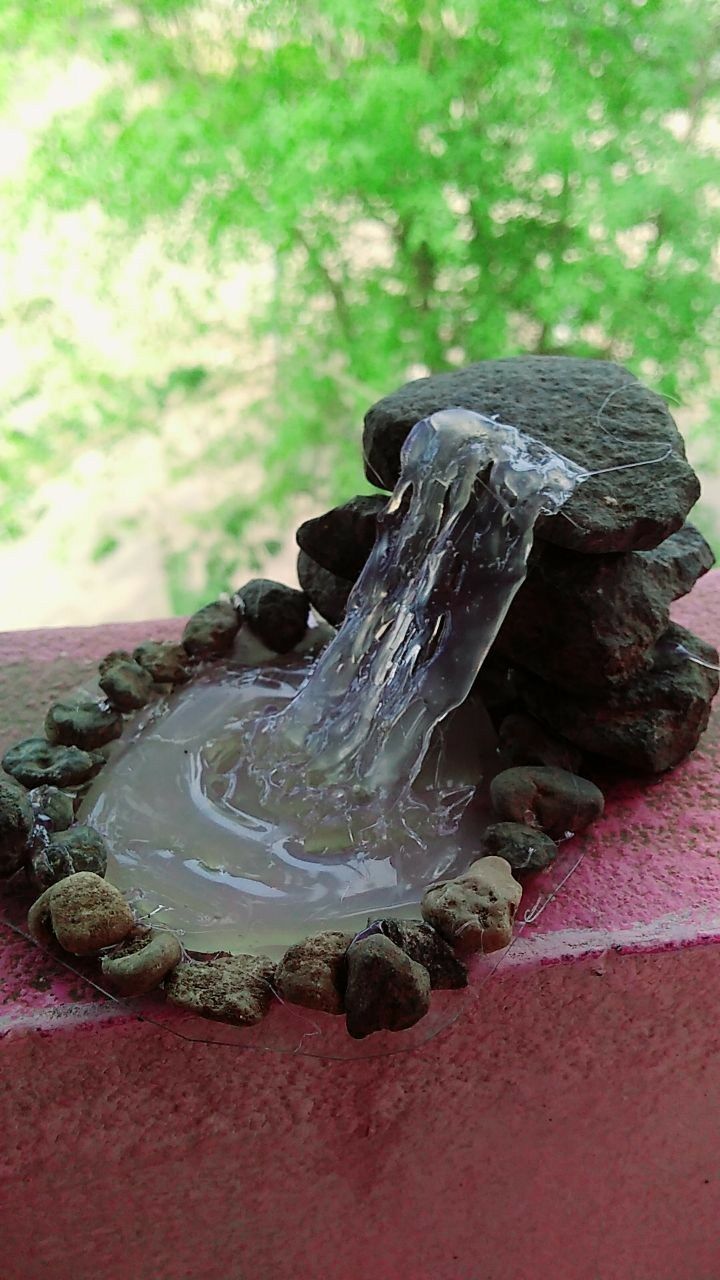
[565,1125]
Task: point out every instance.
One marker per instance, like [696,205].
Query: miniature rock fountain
[269,825]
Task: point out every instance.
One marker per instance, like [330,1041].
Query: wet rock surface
[211,631]
[276,614]
[16,824]
[141,964]
[312,973]
[128,685]
[83,913]
[83,722]
[341,540]
[553,800]
[54,809]
[386,990]
[475,911]
[79,848]
[35,761]
[424,945]
[592,411]
[166,663]
[524,848]
[234,989]
[647,726]
[327,593]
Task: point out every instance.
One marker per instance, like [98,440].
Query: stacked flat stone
[587,648]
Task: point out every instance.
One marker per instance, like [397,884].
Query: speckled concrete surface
[564,1126]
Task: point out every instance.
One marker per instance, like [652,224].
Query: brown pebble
[386,990]
[127,685]
[167,663]
[423,944]
[141,964]
[234,989]
[475,911]
[558,802]
[312,972]
[83,912]
[211,631]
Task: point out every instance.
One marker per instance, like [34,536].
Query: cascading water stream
[262,803]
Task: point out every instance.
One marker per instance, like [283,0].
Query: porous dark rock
[234,989]
[141,963]
[523,740]
[35,761]
[83,722]
[54,858]
[425,946]
[128,685]
[210,633]
[83,913]
[525,848]
[475,911]
[341,540]
[54,809]
[167,663]
[276,614]
[312,973]
[553,800]
[16,824]
[386,990]
[587,623]
[592,411]
[648,725]
[112,658]
[327,593]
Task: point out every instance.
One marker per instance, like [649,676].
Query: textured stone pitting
[53,809]
[386,990]
[234,989]
[63,853]
[167,663]
[140,964]
[211,631]
[83,913]
[426,947]
[127,685]
[525,848]
[312,973]
[35,761]
[475,911]
[82,722]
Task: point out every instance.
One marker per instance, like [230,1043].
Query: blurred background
[227,228]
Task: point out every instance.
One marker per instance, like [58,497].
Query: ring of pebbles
[379,979]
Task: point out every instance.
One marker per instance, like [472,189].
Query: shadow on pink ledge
[565,1125]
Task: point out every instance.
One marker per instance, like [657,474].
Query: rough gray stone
[127,685]
[589,622]
[54,809]
[16,824]
[327,593]
[312,973]
[423,945]
[35,761]
[79,848]
[83,913]
[525,848]
[234,989]
[386,990]
[555,801]
[141,963]
[592,411]
[167,663]
[341,540]
[647,726]
[83,722]
[276,614]
[475,911]
[211,631]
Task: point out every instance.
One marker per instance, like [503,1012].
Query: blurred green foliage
[437,181]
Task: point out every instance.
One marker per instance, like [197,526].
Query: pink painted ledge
[564,1125]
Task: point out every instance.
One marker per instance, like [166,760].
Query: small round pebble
[127,684]
[276,614]
[558,802]
[141,964]
[312,972]
[234,989]
[211,631]
[525,741]
[84,913]
[54,809]
[386,990]
[475,911]
[166,663]
[525,848]
[424,945]
[79,848]
[35,761]
[16,824]
[83,722]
